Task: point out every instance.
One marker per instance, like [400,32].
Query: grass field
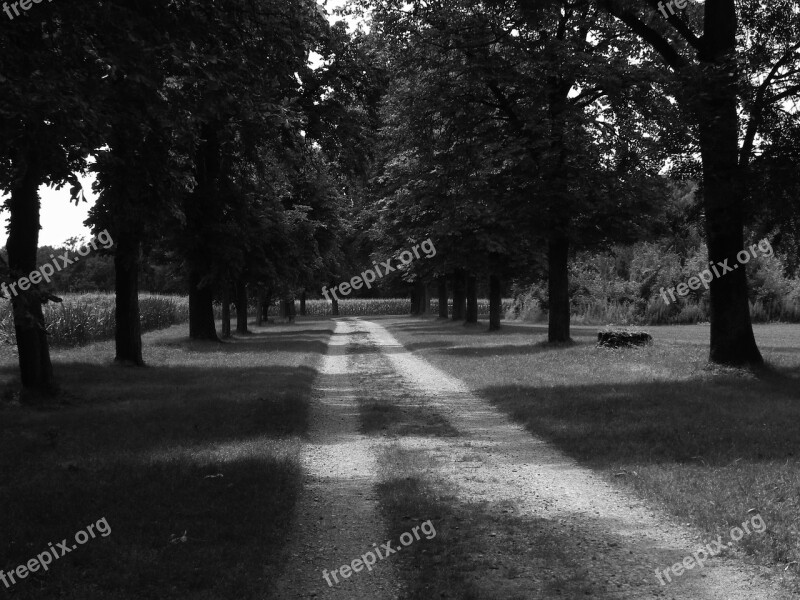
[706,444]
[192,461]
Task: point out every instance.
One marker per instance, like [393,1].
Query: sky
[60,220]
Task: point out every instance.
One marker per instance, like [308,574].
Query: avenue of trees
[261,151]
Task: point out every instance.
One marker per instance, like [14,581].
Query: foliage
[624,287]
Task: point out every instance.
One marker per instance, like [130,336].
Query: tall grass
[85,318]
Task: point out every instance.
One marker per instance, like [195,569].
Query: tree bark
[334,301]
[287,309]
[260,307]
[241,307]
[420,301]
[197,208]
[262,310]
[558,288]
[201,310]
[459,296]
[128,331]
[442,284]
[472,299]
[714,102]
[495,302]
[425,308]
[732,339]
[36,370]
[226,310]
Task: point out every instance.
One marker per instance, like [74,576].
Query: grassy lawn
[706,444]
[193,462]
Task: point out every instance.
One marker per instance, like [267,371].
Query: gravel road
[618,542]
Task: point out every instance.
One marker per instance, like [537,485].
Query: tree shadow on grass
[256,342]
[507,350]
[710,422]
[179,529]
[115,412]
[182,452]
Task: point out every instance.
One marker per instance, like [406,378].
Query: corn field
[85,318]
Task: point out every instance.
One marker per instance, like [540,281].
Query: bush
[623,287]
[623,339]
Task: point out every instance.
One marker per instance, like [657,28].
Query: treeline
[251,149]
[520,134]
[225,164]
[626,286]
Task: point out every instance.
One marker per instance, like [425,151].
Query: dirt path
[616,541]
[337,518]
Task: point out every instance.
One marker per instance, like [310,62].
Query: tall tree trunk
[199,207]
[472,299]
[459,296]
[241,307]
[128,331]
[201,310]
[303,303]
[260,307]
[226,310]
[287,309]
[495,302]
[334,301]
[262,311]
[420,300]
[442,285]
[558,288]
[425,308]
[36,370]
[732,339]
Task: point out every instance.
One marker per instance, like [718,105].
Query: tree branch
[760,104]
[659,43]
[680,26]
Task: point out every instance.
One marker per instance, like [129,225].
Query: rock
[623,339]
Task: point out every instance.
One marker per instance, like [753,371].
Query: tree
[48,128]
[498,111]
[710,67]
